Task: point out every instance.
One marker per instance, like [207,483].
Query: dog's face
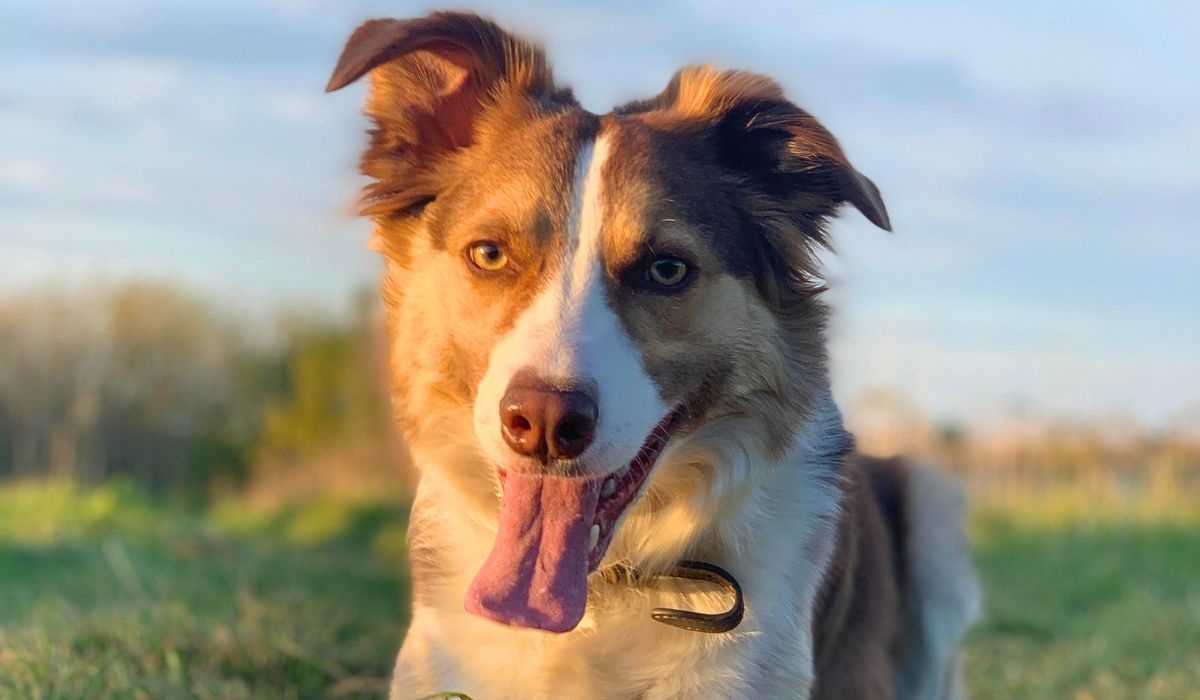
[587,290]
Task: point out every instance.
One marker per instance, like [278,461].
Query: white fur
[714,496]
[945,597]
[730,494]
[570,335]
[618,651]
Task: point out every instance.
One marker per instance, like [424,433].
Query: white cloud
[24,175]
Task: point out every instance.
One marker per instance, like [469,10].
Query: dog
[607,337]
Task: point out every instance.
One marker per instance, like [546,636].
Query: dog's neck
[745,488]
[774,530]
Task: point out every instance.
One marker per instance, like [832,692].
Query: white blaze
[571,334]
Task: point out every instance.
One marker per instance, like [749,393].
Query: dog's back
[900,590]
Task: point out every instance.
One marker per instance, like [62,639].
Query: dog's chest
[620,655]
[783,537]
[619,651]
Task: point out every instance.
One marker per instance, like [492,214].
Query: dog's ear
[779,148]
[433,80]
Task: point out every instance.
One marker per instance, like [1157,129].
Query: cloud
[24,175]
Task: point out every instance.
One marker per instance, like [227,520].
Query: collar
[621,573]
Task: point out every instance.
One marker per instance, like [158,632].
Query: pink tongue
[536,575]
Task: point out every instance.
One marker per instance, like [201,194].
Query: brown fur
[473,141]
[771,175]
[859,610]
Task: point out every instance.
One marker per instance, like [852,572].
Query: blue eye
[667,271]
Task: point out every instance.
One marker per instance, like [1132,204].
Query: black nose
[544,423]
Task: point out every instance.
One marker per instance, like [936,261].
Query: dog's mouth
[553,531]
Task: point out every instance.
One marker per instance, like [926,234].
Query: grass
[104,594]
[1087,611]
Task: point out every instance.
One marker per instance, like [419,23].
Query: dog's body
[608,348]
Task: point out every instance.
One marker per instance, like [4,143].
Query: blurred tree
[332,390]
[150,382]
[145,381]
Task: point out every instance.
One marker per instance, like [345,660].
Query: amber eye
[488,257]
[667,271]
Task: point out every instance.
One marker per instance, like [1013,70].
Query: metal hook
[711,623]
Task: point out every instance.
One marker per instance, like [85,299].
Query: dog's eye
[488,257]
[667,271]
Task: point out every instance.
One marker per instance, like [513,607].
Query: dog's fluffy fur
[855,572]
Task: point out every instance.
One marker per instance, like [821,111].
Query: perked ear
[781,149]
[433,79]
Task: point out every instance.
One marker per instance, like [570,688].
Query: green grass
[106,594]
[103,595]
[1102,611]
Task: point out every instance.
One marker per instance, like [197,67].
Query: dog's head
[570,295]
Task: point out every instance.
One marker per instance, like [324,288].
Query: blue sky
[1041,162]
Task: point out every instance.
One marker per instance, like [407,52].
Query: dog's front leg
[422,667]
[793,687]
[751,667]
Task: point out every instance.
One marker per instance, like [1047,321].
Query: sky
[1040,161]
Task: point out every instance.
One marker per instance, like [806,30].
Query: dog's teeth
[609,488]
[594,537]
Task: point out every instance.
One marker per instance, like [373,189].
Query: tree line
[152,383]
[155,384]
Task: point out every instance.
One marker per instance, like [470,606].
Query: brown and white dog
[608,346]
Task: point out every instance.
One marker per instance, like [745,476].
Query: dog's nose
[544,423]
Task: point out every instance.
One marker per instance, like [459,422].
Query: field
[1103,611]
[106,594]
[103,595]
